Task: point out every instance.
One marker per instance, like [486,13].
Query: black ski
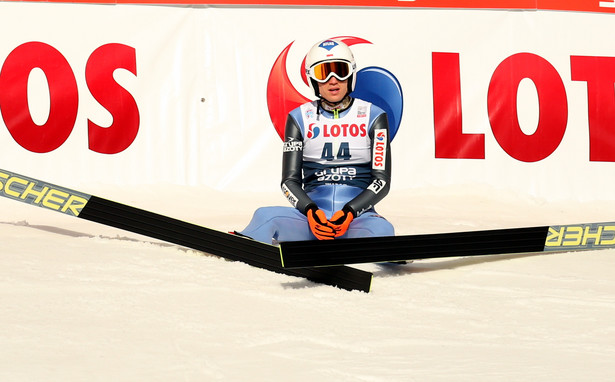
[229,246]
[572,237]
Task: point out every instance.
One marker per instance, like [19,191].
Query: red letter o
[63,93]
[502,106]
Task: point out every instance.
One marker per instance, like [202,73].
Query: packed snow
[81,301]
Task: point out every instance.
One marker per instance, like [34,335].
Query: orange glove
[340,222]
[319,225]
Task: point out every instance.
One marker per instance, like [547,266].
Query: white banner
[123,94]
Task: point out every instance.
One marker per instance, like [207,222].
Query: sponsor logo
[328,44]
[364,210]
[292,145]
[377,185]
[339,174]
[362,112]
[41,194]
[313,131]
[581,236]
[379,150]
[290,196]
[341,130]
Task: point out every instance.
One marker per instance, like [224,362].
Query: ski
[573,237]
[232,247]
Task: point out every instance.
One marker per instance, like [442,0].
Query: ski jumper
[334,160]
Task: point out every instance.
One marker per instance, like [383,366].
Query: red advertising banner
[607,6]
[197,95]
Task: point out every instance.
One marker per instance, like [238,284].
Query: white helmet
[330,58]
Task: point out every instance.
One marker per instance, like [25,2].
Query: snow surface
[81,301]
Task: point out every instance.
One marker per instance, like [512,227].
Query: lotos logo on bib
[341,130]
[313,131]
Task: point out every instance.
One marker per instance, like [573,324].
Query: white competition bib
[340,141]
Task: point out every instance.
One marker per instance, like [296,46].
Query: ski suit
[333,159]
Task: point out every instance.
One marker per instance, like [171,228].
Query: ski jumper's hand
[320,225]
[340,222]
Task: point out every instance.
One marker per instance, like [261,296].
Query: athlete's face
[333,90]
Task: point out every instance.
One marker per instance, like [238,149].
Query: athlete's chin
[334,97]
